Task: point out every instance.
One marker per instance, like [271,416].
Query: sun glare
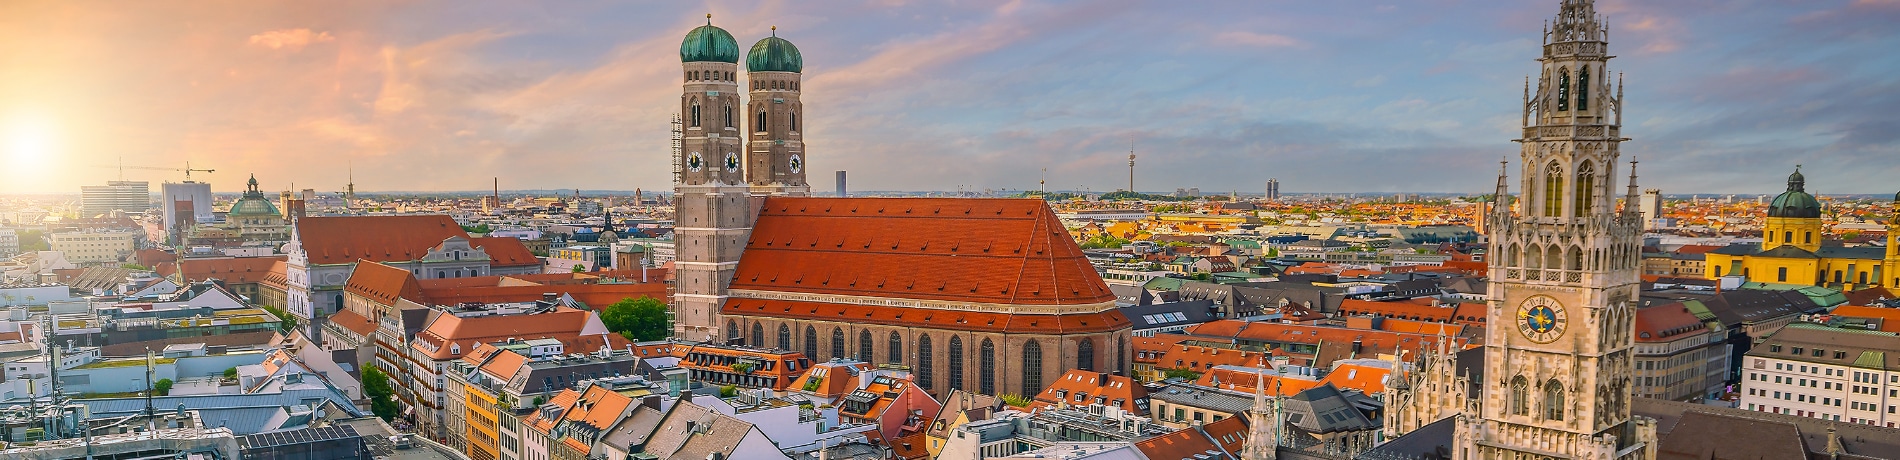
[29,143]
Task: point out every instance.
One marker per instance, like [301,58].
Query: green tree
[1014,400]
[285,322]
[578,268]
[162,387]
[643,319]
[478,228]
[133,266]
[1181,373]
[728,391]
[230,373]
[376,386]
[34,240]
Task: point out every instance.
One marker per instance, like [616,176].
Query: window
[1032,368]
[811,342]
[1084,356]
[986,368]
[1563,90]
[896,351]
[1583,88]
[1781,274]
[956,362]
[1807,237]
[1787,237]
[784,337]
[732,329]
[924,360]
[728,119]
[694,114]
[1553,190]
[758,124]
[865,351]
[758,335]
[1586,190]
[1520,396]
[837,343]
[791,120]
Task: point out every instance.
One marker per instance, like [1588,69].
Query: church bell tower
[775,144]
[712,211]
[1564,271]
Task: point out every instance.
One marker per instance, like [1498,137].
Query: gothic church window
[1084,356]
[865,353]
[837,343]
[792,121]
[1553,400]
[759,124]
[924,359]
[1563,90]
[732,329]
[784,337]
[695,114]
[1032,368]
[986,368]
[1520,395]
[1583,89]
[1586,189]
[729,122]
[895,355]
[1553,190]
[955,358]
[811,342]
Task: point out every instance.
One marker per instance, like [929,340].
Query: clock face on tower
[732,162]
[797,164]
[1541,319]
[694,162]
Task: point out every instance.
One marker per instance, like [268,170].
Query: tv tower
[1131,166]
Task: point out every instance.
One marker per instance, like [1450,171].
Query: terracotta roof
[834,379]
[1407,310]
[598,407]
[1337,341]
[1243,380]
[231,270]
[540,421]
[1227,435]
[1666,322]
[910,447]
[152,257]
[383,284]
[349,319]
[1107,320]
[1114,390]
[1869,295]
[346,239]
[504,364]
[567,325]
[1005,251]
[1890,317]
[596,296]
[1368,379]
[278,276]
[1164,354]
[505,251]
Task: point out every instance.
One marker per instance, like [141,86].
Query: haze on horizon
[1723,97]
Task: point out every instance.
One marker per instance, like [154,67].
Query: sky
[1344,96]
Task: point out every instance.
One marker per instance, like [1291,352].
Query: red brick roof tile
[383,284]
[346,239]
[1108,320]
[231,270]
[1113,389]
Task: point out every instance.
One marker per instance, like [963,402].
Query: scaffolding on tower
[679,139]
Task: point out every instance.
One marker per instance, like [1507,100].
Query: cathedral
[987,295]
[1791,250]
[1556,371]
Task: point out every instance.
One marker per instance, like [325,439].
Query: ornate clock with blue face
[732,162]
[1541,319]
[797,164]
[694,162]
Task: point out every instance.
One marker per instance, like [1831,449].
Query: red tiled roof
[152,257]
[348,319]
[1227,435]
[1869,295]
[383,284]
[1363,378]
[563,324]
[346,239]
[1662,323]
[910,447]
[1108,320]
[1163,353]
[1112,388]
[1407,310]
[1004,251]
[1697,249]
[1243,380]
[231,270]
[505,251]
[1890,317]
[596,296]
[278,276]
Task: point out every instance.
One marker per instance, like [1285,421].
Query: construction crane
[187,169]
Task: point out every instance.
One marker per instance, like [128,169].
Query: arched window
[1574,260]
[1121,355]
[1032,368]
[729,123]
[986,368]
[1563,90]
[1520,396]
[924,360]
[784,337]
[1586,192]
[695,114]
[758,335]
[1553,257]
[791,121]
[758,124]
[1553,400]
[865,353]
[1534,258]
[955,360]
[894,353]
[837,343]
[1554,190]
[732,329]
[1084,356]
[1583,88]
[811,342]
[694,75]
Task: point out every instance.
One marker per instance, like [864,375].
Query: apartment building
[1816,371]
[96,247]
[1679,356]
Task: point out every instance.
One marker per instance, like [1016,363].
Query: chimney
[651,401]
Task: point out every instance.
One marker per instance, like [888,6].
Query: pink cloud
[294,39]
[1259,39]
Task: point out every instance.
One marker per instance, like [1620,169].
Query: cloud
[1258,39]
[294,39]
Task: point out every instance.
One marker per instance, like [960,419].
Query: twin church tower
[731,149]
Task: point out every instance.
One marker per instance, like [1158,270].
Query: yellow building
[1791,250]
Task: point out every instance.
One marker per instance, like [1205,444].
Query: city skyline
[423,97]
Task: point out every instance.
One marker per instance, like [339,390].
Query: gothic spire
[1577,20]
[1629,203]
[1263,439]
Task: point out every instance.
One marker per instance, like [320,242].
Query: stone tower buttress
[713,213]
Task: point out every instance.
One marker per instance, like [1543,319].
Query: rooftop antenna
[1131,165]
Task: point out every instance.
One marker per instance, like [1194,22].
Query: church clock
[732,162]
[1541,319]
[797,164]
[694,162]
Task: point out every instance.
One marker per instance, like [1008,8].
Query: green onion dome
[774,54]
[709,44]
[1796,202]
